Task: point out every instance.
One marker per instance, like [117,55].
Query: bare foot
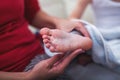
[61,41]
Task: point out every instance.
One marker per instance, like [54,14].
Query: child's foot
[61,41]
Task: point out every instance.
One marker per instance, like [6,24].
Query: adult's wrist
[31,75]
[28,76]
[55,21]
[58,22]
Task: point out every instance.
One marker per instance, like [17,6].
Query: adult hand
[69,25]
[50,68]
[80,28]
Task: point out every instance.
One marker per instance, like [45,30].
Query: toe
[48,45]
[46,41]
[46,37]
[52,49]
[44,31]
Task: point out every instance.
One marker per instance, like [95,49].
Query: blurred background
[62,8]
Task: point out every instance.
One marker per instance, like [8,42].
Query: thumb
[82,29]
[54,59]
[69,58]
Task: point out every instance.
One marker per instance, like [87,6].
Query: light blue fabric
[105,52]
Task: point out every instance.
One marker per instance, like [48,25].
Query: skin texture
[77,13]
[42,20]
[52,67]
[46,67]
[60,41]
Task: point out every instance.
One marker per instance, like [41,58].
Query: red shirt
[17,44]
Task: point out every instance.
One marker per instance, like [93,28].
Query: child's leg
[61,41]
